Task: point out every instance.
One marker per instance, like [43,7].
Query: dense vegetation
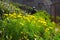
[17,25]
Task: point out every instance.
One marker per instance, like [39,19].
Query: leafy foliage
[8,7]
[18,26]
[27,27]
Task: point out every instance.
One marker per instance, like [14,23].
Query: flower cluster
[28,18]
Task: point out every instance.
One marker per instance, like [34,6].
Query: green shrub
[27,27]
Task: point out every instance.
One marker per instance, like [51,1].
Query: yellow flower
[26,18]
[11,15]
[39,20]
[44,23]
[42,19]
[19,16]
[32,16]
[6,14]
[14,14]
